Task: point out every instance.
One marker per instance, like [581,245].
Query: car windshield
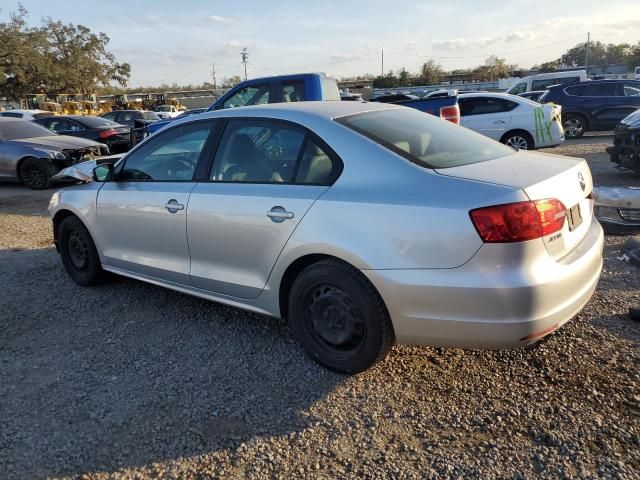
[17,129]
[424,139]
[94,122]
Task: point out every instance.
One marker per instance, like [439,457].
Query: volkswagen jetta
[364,224]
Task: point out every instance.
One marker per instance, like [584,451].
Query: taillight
[518,222]
[108,133]
[451,113]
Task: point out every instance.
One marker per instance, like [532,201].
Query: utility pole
[245,55]
[382,63]
[213,75]
[586,53]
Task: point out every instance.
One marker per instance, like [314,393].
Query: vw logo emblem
[581,181]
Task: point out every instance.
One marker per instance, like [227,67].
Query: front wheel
[339,317]
[574,126]
[34,173]
[78,252]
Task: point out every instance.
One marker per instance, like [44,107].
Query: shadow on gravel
[127,374]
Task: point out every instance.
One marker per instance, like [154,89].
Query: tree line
[54,58]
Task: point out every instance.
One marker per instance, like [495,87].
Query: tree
[430,72]
[551,66]
[495,68]
[55,58]
[231,81]
[387,81]
[403,78]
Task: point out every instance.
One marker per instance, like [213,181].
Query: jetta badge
[581,181]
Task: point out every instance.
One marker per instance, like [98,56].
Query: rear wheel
[339,317]
[518,140]
[574,125]
[34,173]
[79,255]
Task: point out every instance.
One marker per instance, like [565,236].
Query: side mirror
[103,173]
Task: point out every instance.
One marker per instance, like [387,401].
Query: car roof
[18,110]
[13,119]
[324,109]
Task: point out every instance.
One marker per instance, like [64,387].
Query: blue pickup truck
[308,87]
[283,88]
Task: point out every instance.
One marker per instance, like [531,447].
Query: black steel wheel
[339,317]
[78,252]
[34,173]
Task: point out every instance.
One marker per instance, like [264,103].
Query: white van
[542,80]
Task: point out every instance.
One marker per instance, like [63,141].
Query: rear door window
[484,105]
[599,90]
[293,91]
[543,84]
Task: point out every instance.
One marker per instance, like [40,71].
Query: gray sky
[169,41]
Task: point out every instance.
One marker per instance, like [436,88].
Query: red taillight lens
[451,113]
[108,133]
[517,222]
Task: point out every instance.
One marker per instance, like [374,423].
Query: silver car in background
[364,224]
[32,154]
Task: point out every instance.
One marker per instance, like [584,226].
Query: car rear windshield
[424,139]
[18,129]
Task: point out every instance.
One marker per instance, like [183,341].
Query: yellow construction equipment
[90,108]
[53,107]
[72,108]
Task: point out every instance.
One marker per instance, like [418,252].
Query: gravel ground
[129,380]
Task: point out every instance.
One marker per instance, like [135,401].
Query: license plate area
[574,217]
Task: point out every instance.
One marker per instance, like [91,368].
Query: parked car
[594,105]
[618,209]
[138,119]
[351,97]
[155,126]
[116,136]
[32,154]
[443,106]
[26,114]
[512,120]
[533,95]
[167,111]
[625,150]
[324,213]
[542,81]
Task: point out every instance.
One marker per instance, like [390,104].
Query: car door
[602,102]
[141,216]
[265,177]
[485,115]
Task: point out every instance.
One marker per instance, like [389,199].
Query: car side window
[599,90]
[257,151]
[631,90]
[293,91]
[110,116]
[251,95]
[170,157]
[483,106]
[12,114]
[519,88]
[316,165]
[126,118]
[62,124]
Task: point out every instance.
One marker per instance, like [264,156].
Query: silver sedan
[364,224]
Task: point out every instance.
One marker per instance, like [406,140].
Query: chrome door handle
[173,206]
[279,214]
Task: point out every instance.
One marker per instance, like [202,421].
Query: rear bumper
[491,302]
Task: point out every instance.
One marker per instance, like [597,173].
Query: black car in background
[138,119]
[594,104]
[115,135]
[533,95]
[625,150]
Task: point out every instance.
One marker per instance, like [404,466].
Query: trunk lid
[542,176]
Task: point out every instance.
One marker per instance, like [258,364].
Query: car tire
[519,140]
[339,317]
[574,125]
[34,173]
[79,255]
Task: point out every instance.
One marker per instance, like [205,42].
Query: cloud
[465,43]
[220,19]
